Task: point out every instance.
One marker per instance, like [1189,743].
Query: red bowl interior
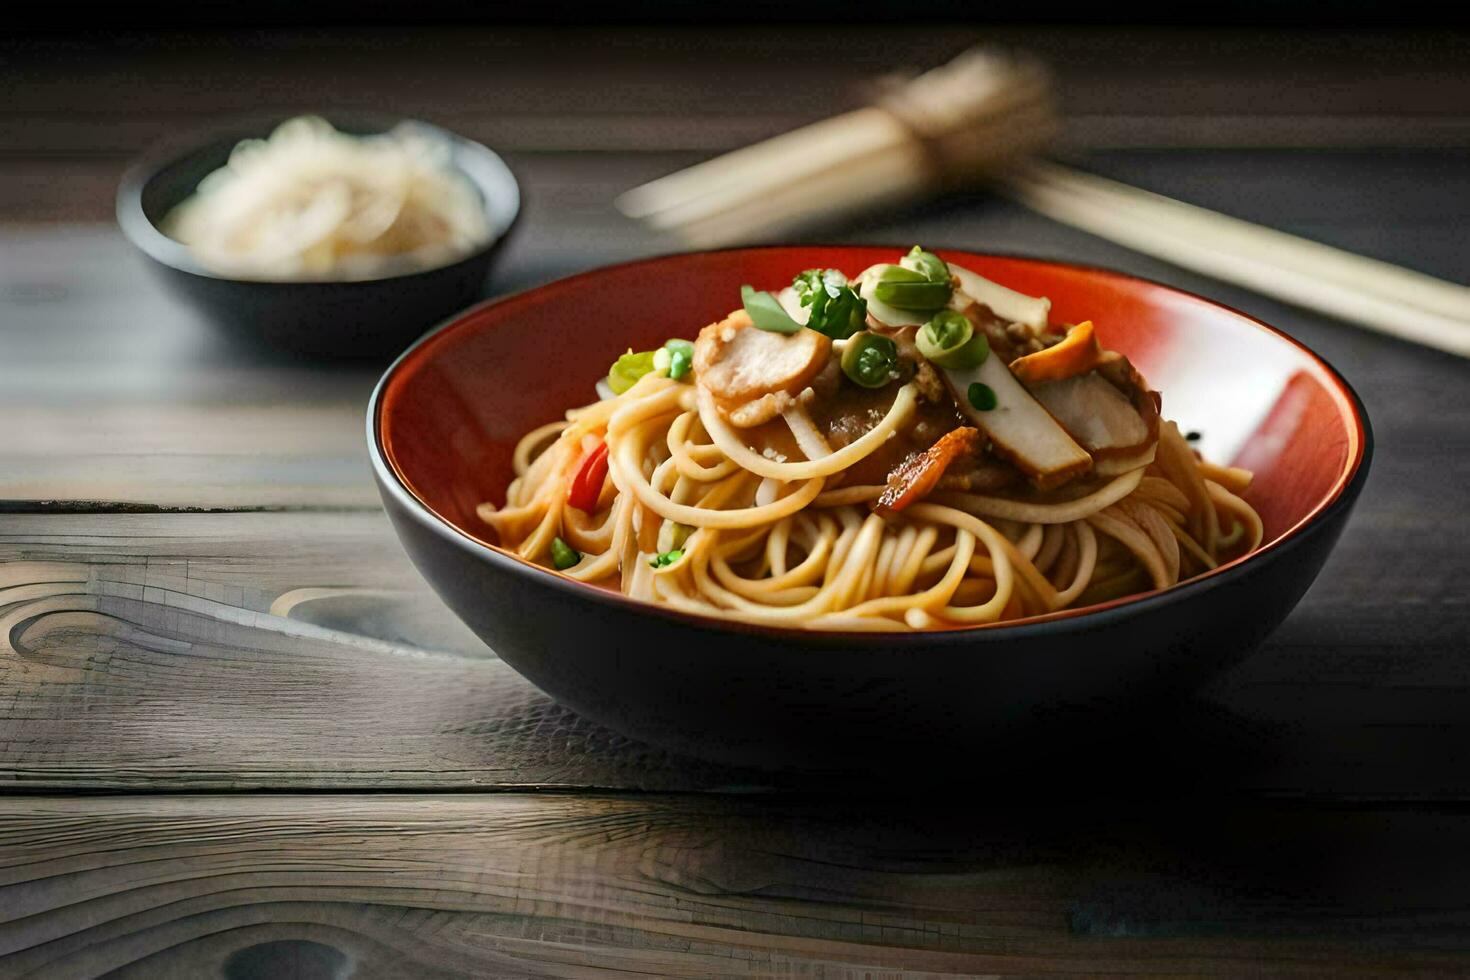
[452,409]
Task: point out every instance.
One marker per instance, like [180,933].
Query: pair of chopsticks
[984,117]
[982,113]
[1378,295]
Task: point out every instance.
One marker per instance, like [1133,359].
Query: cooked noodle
[312,203]
[695,514]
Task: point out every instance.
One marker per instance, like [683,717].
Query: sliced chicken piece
[1005,303]
[1019,428]
[913,479]
[1110,412]
[1093,412]
[741,364]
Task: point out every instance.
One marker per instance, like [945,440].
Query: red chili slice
[587,482]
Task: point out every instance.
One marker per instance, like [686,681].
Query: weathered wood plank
[113,392]
[77,111]
[580,886]
[299,650]
[267,650]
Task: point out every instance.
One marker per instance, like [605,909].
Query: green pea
[950,341]
[666,559]
[563,555]
[906,289]
[931,266]
[981,396]
[627,369]
[870,359]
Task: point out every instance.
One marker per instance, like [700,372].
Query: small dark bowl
[367,318]
[445,418]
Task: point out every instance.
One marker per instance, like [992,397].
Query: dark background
[339,13]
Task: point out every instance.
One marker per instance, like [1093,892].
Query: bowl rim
[501,186]
[1343,493]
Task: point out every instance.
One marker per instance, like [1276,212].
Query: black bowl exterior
[370,319]
[806,700]
[373,318]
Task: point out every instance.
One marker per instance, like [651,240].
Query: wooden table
[239,737]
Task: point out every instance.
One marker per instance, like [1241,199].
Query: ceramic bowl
[446,416]
[372,318]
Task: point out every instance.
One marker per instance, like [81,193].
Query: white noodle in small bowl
[312,203]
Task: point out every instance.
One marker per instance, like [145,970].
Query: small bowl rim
[145,234]
[1342,494]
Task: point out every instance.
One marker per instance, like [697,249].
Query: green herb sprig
[836,308]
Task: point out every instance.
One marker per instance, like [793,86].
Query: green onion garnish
[906,289]
[563,555]
[836,309]
[766,312]
[950,341]
[681,357]
[627,369]
[666,559]
[870,359]
[982,396]
[927,264]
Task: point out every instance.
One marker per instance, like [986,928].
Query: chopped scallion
[950,341]
[927,264]
[982,396]
[906,289]
[870,359]
[681,359]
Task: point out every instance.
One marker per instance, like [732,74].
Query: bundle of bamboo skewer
[984,118]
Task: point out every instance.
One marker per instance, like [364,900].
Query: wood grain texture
[283,642]
[78,110]
[508,885]
[300,650]
[268,650]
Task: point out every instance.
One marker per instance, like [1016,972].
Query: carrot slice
[1077,353]
[912,479]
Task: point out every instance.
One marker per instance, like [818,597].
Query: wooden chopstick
[1313,258]
[984,108]
[893,167]
[1378,295]
[979,117]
